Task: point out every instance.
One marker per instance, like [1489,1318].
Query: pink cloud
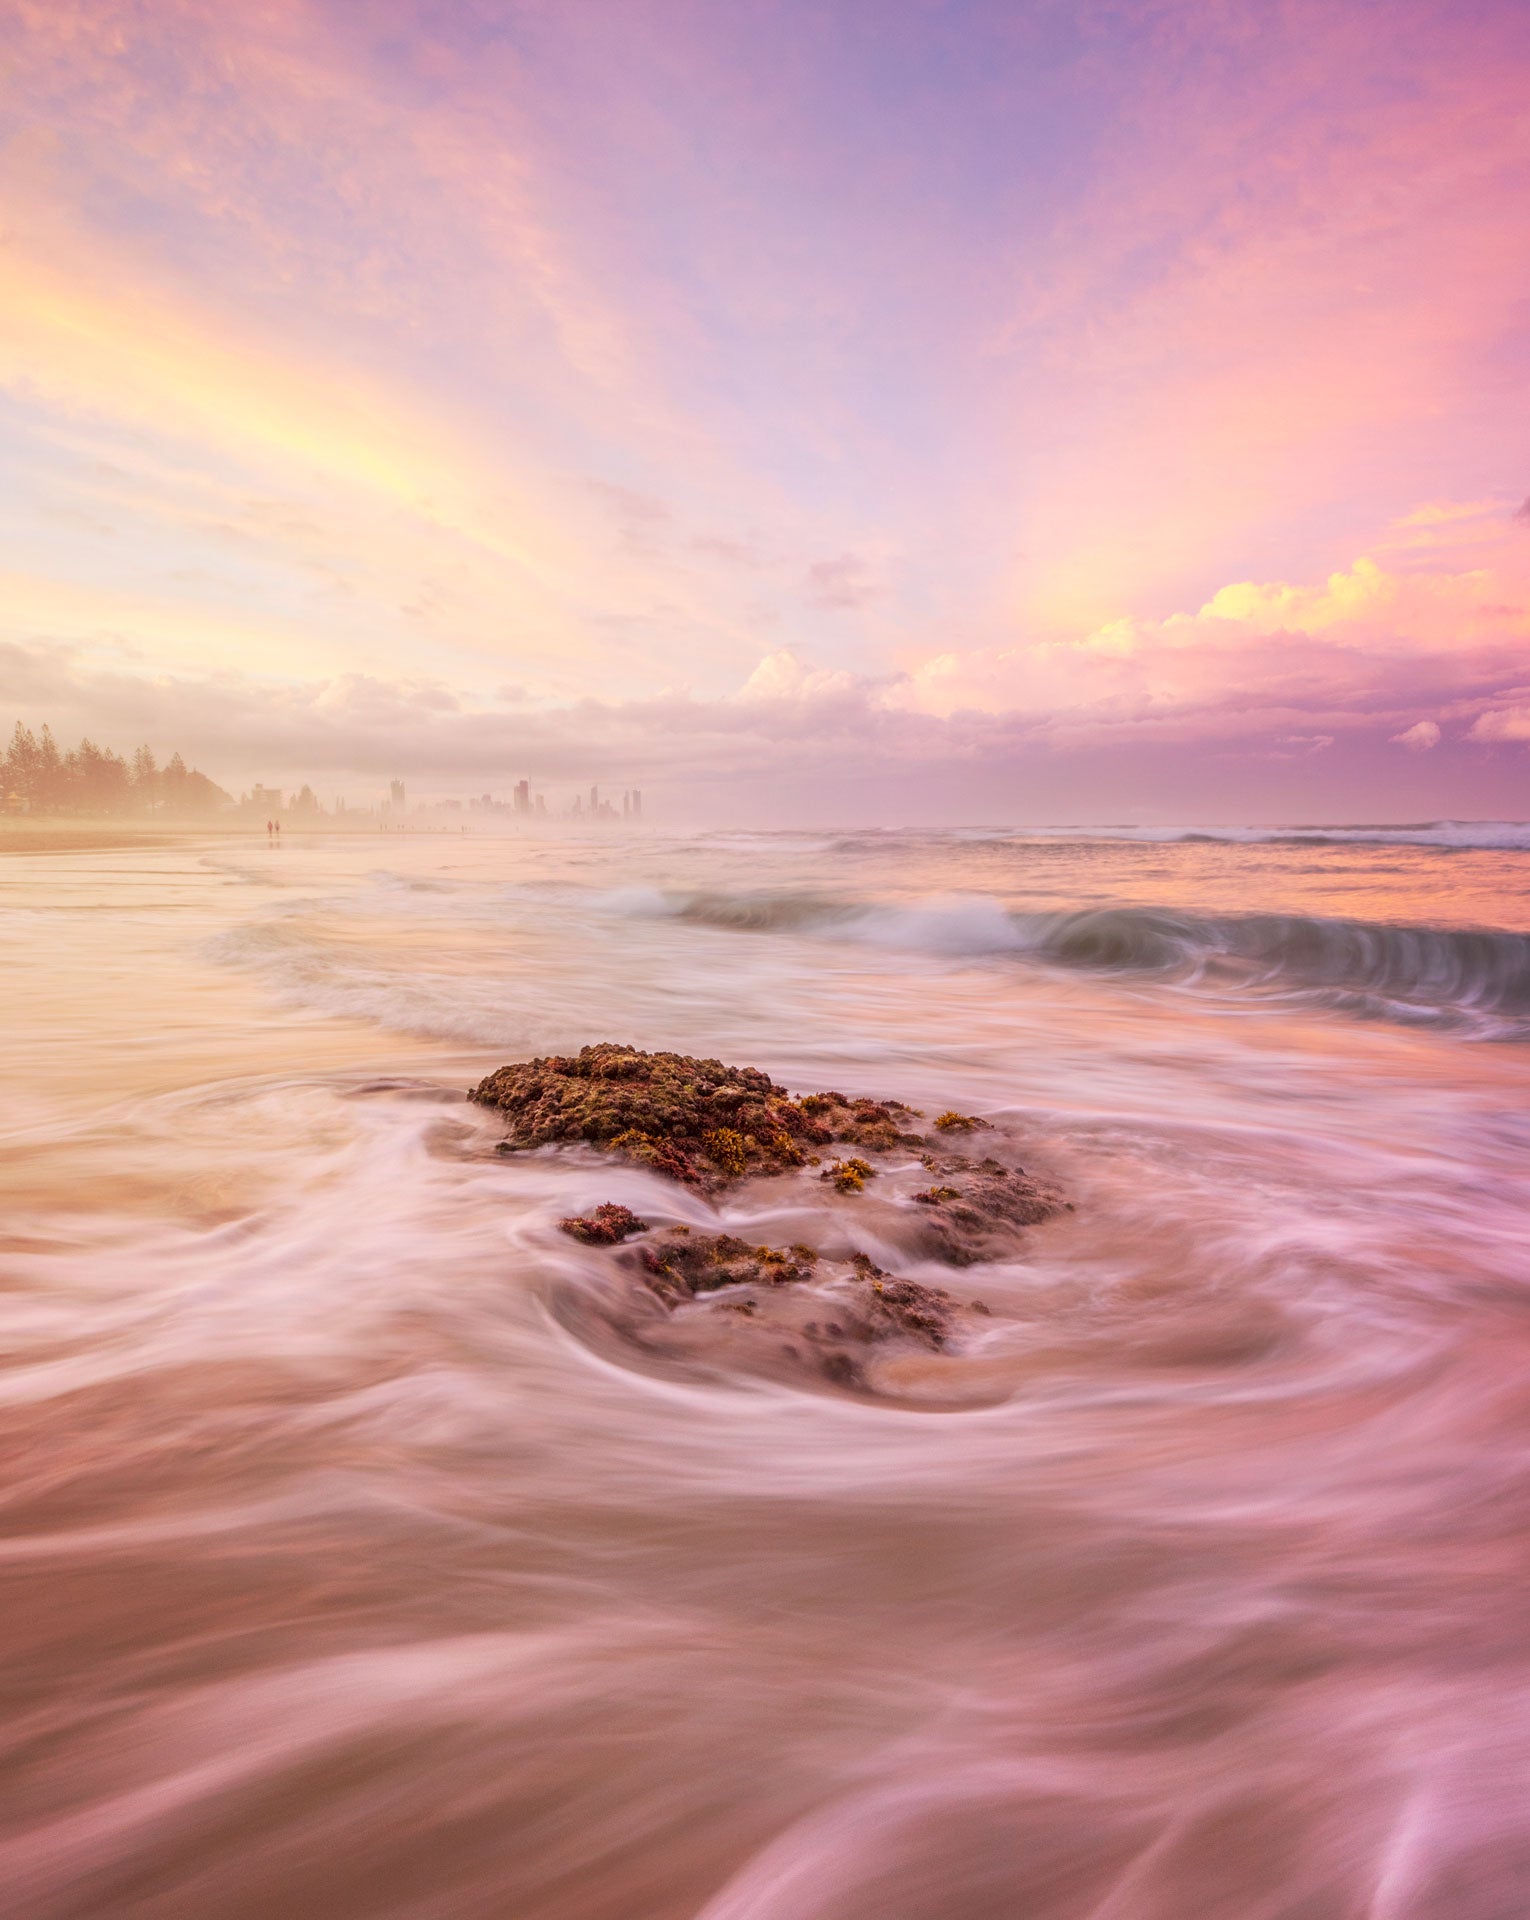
[1503,723]
[1365,640]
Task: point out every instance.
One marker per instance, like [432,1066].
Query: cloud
[782,676]
[1240,350]
[796,744]
[841,583]
[1371,644]
[1262,673]
[1502,723]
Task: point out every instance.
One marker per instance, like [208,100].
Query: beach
[355,1565]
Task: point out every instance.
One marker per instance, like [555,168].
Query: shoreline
[82,837]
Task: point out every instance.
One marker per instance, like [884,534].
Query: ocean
[355,1564]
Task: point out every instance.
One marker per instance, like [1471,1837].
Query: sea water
[343,1575]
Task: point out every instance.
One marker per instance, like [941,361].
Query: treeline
[36,776]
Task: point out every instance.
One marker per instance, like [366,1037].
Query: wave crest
[1475,980]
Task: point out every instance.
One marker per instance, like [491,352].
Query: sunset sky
[864,410]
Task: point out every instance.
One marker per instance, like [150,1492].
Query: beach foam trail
[344,1571]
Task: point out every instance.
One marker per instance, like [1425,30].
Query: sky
[860,411]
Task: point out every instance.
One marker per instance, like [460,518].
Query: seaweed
[607,1226]
[685,1264]
[680,1266]
[698,1121]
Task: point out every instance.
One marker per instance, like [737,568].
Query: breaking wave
[1472,980]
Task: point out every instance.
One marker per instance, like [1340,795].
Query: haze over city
[885,414]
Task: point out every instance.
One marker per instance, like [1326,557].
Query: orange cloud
[1259,646]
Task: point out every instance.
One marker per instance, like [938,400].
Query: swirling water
[343,1576]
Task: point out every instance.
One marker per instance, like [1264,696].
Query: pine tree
[49,781]
[36,777]
[145,781]
[21,765]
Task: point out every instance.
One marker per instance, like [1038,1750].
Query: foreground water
[343,1575]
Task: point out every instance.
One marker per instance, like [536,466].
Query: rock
[798,1312]
[697,1121]
[680,1263]
[607,1226]
[788,1310]
[980,1208]
[709,1125]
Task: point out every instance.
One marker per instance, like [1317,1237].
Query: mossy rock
[607,1226]
[681,1263]
[699,1121]
[680,1266]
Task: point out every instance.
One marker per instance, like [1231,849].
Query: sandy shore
[85,836]
[81,837]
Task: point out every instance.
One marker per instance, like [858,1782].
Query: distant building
[396,795]
[637,803]
[265,800]
[523,796]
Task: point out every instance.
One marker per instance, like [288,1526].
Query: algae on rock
[696,1120]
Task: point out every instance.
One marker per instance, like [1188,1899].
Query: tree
[145,781]
[37,777]
[172,785]
[49,782]
[202,796]
[21,765]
